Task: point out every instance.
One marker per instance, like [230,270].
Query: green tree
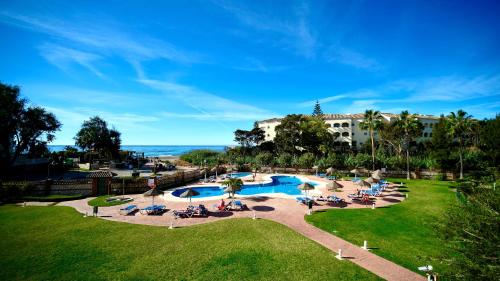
[249,139]
[285,160]
[317,112]
[233,185]
[411,128]
[471,232]
[372,121]
[460,128]
[489,140]
[440,143]
[23,128]
[264,158]
[306,160]
[288,134]
[94,135]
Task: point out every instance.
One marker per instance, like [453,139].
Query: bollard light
[254,215]
[365,245]
[171,225]
[373,206]
[339,256]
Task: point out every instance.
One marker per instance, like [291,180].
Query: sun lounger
[335,199]
[183,213]
[304,200]
[128,210]
[153,210]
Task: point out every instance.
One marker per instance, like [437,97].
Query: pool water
[280,184]
[239,174]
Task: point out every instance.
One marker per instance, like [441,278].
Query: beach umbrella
[332,186]
[377,174]
[153,192]
[370,180]
[355,172]
[306,186]
[330,171]
[363,183]
[376,177]
[189,193]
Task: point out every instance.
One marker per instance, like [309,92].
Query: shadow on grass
[392,200]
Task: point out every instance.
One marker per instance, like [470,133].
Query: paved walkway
[284,211]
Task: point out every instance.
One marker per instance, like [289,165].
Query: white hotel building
[346,127]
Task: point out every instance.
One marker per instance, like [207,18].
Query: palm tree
[372,122]
[459,127]
[410,127]
[233,185]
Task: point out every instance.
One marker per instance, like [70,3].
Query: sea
[157,150]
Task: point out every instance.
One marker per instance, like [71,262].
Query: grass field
[57,243]
[404,233]
[101,201]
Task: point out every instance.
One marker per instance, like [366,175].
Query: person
[222,204]
[95,210]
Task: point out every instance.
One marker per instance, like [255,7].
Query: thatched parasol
[332,186]
[153,192]
[370,180]
[363,183]
[330,171]
[189,193]
[306,186]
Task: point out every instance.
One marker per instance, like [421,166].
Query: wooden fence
[118,186]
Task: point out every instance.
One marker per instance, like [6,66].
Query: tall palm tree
[459,127]
[411,127]
[372,122]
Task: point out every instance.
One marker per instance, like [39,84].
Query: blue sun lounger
[153,210]
[128,210]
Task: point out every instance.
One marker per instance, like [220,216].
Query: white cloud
[106,39]
[359,94]
[296,35]
[352,58]
[63,57]
[208,105]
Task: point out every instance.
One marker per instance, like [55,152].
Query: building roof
[336,116]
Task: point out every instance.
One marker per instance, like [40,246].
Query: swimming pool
[239,174]
[279,184]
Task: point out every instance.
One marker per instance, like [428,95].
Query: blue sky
[191,72]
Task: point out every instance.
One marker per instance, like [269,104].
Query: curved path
[284,211]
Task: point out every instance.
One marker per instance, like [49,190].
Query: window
[336,134]
[360,143]
[365,133]
[430,125]
[336,125]
[345,125]
[430,135]
[268,135]
[353,133]
[345,134]
[425,135]
[354,143]
[352,124]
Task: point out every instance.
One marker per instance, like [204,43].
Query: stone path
[284,211]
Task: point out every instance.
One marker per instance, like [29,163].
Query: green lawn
[404,233]
[57,243]
[101,201]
